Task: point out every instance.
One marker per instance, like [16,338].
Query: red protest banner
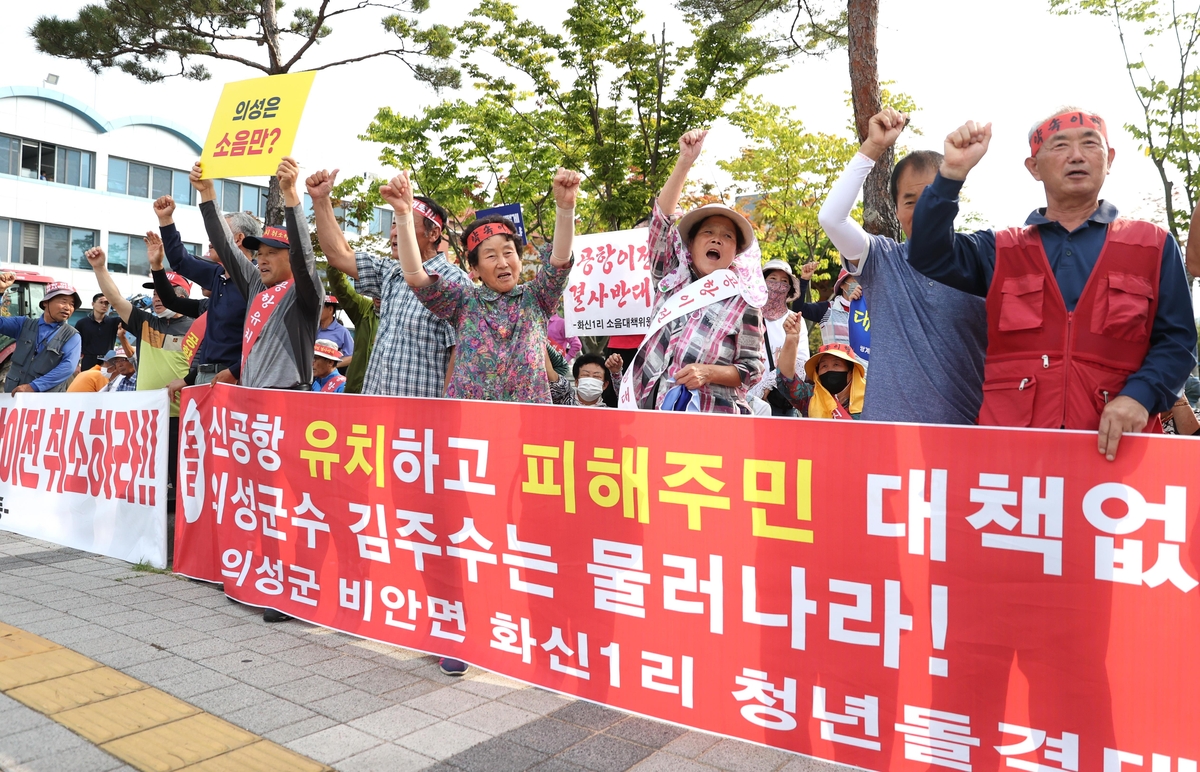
[897,597]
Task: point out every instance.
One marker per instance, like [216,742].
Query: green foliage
[604,98]
[1169,132]
[793,26]
[144,37]
[788,171]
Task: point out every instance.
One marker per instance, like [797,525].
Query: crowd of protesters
[1079,319]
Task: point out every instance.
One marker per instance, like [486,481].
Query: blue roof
[98,121]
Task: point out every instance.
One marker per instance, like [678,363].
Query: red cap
[176,281]
[327,349]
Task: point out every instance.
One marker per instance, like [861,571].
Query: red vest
[1050,368]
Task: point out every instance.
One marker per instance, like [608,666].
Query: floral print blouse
[501,354]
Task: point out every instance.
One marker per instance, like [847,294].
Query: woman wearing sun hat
[704,348]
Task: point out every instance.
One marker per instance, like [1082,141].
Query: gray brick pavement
[355,705]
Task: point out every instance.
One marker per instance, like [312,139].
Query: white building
[71,179]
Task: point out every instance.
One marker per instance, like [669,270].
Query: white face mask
[589,389]
[166,313]
[105,372]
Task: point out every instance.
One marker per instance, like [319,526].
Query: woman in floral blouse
[711,346]
[501,325]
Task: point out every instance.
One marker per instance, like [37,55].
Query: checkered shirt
[412,346]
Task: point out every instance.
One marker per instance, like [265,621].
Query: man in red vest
[1089,315]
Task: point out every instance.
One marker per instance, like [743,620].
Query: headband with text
[478,235]
[1063,121]
[426,211]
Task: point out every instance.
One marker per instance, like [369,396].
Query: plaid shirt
[412,346]
[128,383]
[728,332]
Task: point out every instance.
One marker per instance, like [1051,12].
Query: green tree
[1168,132]
[143,37]
[604,98]
[811,29]
[786,172]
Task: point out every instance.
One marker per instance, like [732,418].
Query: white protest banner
[87,471]
[610,291]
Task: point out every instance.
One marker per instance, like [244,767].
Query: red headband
[477,236]
[1073,120]
[426,211]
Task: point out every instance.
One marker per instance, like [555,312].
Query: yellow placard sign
[255,125]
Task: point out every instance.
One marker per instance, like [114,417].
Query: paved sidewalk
[352,704]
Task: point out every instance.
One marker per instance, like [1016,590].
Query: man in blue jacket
[220,354]
[48,348]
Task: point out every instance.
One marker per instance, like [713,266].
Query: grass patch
[145,568]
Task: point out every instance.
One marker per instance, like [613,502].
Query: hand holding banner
[255,125]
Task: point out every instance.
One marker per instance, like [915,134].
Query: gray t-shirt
[927,342]
[283,354]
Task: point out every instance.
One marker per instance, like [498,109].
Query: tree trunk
[270,29]
[879,213]
[274,204]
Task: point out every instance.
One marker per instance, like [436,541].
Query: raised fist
[964,148]
[164,208]
[885,127]
[398,193]
[320,184]
[96,259]
[792,325]
[690,145]
[566,187]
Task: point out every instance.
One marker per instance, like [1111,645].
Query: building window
[181,188]
[118,174]
[139,180]
[192,249]
[54,246]
[239,197]
[10,153]
[42,161]
[231,197]
[127,254]
[381,222]
[81,242]
[145,181]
